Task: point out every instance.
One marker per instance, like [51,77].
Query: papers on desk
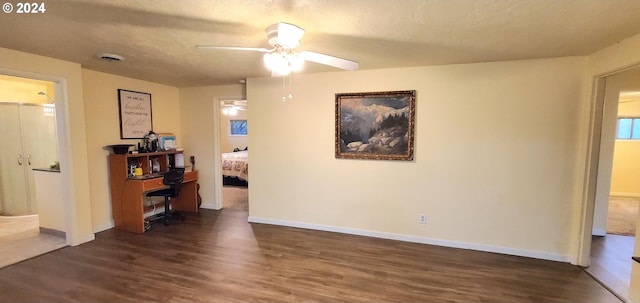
[145,177]
[179,160]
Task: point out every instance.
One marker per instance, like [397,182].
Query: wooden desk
[128,195]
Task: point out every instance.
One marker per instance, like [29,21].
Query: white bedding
[236,164]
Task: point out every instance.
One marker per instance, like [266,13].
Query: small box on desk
[167,141]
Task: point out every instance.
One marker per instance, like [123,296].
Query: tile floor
[21,239]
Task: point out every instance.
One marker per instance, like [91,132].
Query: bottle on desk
[132,168]
[155,166]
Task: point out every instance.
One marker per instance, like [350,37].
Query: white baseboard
[632,195]
[104,227]
[415,239]
[81,239]
[208,206]
[599,232]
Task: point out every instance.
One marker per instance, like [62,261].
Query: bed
[235,167]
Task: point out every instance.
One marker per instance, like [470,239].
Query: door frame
[64,143]
[217,156]
[593,160]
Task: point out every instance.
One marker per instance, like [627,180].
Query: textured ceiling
[157,38]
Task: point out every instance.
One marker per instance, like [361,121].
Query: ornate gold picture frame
[376,125]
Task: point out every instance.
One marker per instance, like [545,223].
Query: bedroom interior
[504,139]
[235,154]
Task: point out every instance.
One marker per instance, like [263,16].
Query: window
[238,127]
[628,128]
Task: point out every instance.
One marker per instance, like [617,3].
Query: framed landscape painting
[376,125]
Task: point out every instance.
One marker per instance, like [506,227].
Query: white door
[27,140]
[14,195]
[39,144]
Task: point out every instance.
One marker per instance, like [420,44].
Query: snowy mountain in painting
[361,120]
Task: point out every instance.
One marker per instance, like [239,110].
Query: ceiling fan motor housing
[285,35]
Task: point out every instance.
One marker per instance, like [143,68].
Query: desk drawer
[152,184]
[190,176]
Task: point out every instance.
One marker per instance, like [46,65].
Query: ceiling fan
[281,58]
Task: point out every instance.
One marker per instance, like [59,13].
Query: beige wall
[625,178]
[228,142]
[615,58]
[71,132]
[16,89]
[103,128]
[494,164]
[201,136]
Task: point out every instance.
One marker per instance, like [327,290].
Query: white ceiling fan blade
[255,49]
[330,60]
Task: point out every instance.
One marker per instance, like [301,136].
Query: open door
[618,176]
[234,153]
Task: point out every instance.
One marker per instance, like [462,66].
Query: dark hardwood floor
[216,256]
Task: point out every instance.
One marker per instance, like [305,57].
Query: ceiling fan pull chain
[290,87]
[283,89]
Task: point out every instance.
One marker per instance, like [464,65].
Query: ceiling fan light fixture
[232,107]
[230,111]
[277,62]
[233,111]
[282,59]
[296,62]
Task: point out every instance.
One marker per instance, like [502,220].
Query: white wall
[494,169]
[49,199]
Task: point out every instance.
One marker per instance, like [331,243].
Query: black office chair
[173,178]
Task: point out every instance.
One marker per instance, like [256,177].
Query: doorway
[234,154]
[30,223]
[616,193]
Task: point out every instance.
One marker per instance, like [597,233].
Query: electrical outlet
[422,219]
